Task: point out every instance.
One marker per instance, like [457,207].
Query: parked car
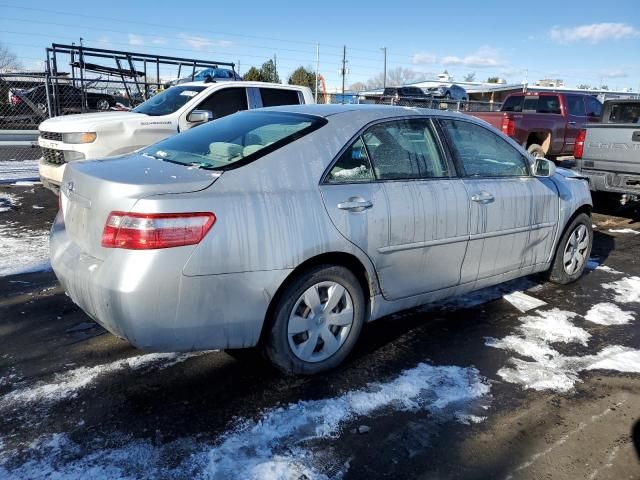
[448,92]
[208,74]
[289,228]
[546,124]
[608,153]
[404,96]
[81,137]
[69,99]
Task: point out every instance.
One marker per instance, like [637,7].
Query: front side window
[237,138]
[404,149]
[225,102]
[169,101]
[483,153]
[352,166]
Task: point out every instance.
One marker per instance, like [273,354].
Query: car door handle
[483,197]
[355,204]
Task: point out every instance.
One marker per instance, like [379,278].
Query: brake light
[146,231]
[15,100]
[508,126]
[578,148]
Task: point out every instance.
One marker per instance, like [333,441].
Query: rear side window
[513,103]
[234,140]
[483,153]
[575,105]
[352,166]
[594,107]
[272,97]
[225,102]
[548,104]
[404,149]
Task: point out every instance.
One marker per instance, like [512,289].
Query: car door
[220,103]
[394,194]
[513,215]
[576,119]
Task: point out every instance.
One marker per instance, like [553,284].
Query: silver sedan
[290,228]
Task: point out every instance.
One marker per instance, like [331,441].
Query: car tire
[564,268]
[42,108]
[536,150]
[298,342]
[103,104]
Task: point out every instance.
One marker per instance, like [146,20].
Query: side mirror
[200,116]
[544,168]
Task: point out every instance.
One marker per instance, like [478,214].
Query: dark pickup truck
[608,153]
[545,123]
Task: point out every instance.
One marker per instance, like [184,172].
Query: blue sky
[581,42]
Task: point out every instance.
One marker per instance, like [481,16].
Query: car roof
[239,83]
[371,110]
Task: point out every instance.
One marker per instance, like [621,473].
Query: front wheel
[573,251]
[103,104]
[317,321]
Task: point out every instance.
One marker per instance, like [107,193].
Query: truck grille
[51,136]
[53,156]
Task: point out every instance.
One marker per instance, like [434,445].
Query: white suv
[89,136]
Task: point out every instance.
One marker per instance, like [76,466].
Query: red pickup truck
[546,124]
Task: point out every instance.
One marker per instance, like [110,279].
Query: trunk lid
[91,190]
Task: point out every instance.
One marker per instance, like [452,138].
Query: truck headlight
[80,137]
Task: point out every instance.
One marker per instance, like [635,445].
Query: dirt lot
[472,389]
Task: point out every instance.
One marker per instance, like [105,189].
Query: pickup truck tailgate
[612,147]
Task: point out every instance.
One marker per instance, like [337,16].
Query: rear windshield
[234,140]
[169,101]
[624,113]
[414,91]
[542,104]
[513,103]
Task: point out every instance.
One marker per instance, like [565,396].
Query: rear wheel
[317,321]
[573,251]
[102,104]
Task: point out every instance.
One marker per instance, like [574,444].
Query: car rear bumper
[613,182]
[161,310]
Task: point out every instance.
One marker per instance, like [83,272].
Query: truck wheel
[536,150]
[317,321]
[572,253]
[102,104]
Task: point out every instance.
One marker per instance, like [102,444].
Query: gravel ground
[472,389]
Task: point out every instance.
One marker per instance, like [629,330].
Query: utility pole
[317,69]
[275,65]
[238,67]
[384,74]
[344,68]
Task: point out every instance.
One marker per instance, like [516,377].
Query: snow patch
[23,250]
[8,202]
[275,446]
[626,290]
[608,314]
[523,302]
[68,384]
[624,230]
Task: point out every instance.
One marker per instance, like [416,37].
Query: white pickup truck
[89,136]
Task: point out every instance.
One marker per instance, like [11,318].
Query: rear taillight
[15,100]
[578,148]
[508,126]
[146,231]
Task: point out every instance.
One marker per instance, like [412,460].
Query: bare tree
[358,87]
[8,60]
[395,77]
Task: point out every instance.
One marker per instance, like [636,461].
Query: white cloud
[104,42]
[484,57]
[423,58]
[614,74]
[136,40]
[201,43]
[593,33]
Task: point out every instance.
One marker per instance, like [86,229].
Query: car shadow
[635,436]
